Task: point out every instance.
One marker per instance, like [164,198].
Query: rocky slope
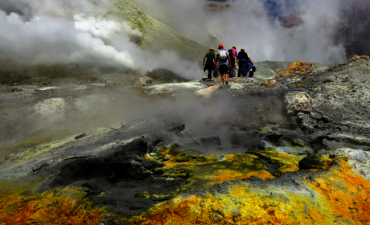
[156,36]
[287,150]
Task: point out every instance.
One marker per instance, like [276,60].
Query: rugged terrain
[263,150]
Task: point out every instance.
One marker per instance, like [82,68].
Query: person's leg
[226,78]
[244,68]
[222,79]
[251,73]
[210,74]
[232,67]
[240,68]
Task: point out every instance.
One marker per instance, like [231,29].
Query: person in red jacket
[233,54]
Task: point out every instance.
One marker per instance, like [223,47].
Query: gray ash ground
[302,114]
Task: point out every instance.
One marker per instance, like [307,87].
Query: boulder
[267,83]
[176,127]
[14,89]
[207,92]
[297,102]
[144,81]
[312,161]
[236,86]
[271,83]
[300,67]
[262,84]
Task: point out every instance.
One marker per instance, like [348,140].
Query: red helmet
[220,46]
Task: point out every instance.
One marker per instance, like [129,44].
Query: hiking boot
[227,83]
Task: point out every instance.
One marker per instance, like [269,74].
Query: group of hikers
[225,63]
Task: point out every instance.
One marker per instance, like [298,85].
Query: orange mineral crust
[300,67]
[60,206]
[332,196]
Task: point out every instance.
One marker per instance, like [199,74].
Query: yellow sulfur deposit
[336,197]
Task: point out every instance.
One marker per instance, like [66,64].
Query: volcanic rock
[313,161]
[176,127]
[163,76]
[269,69]
[166,89]
[236,86]
[207,92]
[268,83]
[17,89]
[297,102]
[300,67]
[144,81]
[358,159]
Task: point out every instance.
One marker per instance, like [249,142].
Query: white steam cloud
[56,32]
[48,40]
[248,24]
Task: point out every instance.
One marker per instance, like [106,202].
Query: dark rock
[174,150]
[80,169]
[80,136]
[90,186]
[313,161]
[176,127]
[161,76]
[127,163]
[211,141]
[186,133]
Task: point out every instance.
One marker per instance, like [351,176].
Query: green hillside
[157,36]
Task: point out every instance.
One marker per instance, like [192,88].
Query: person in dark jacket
[210,63]
[243,62]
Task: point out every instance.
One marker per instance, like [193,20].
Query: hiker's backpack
[223,55]
[254,69]
[230,51]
